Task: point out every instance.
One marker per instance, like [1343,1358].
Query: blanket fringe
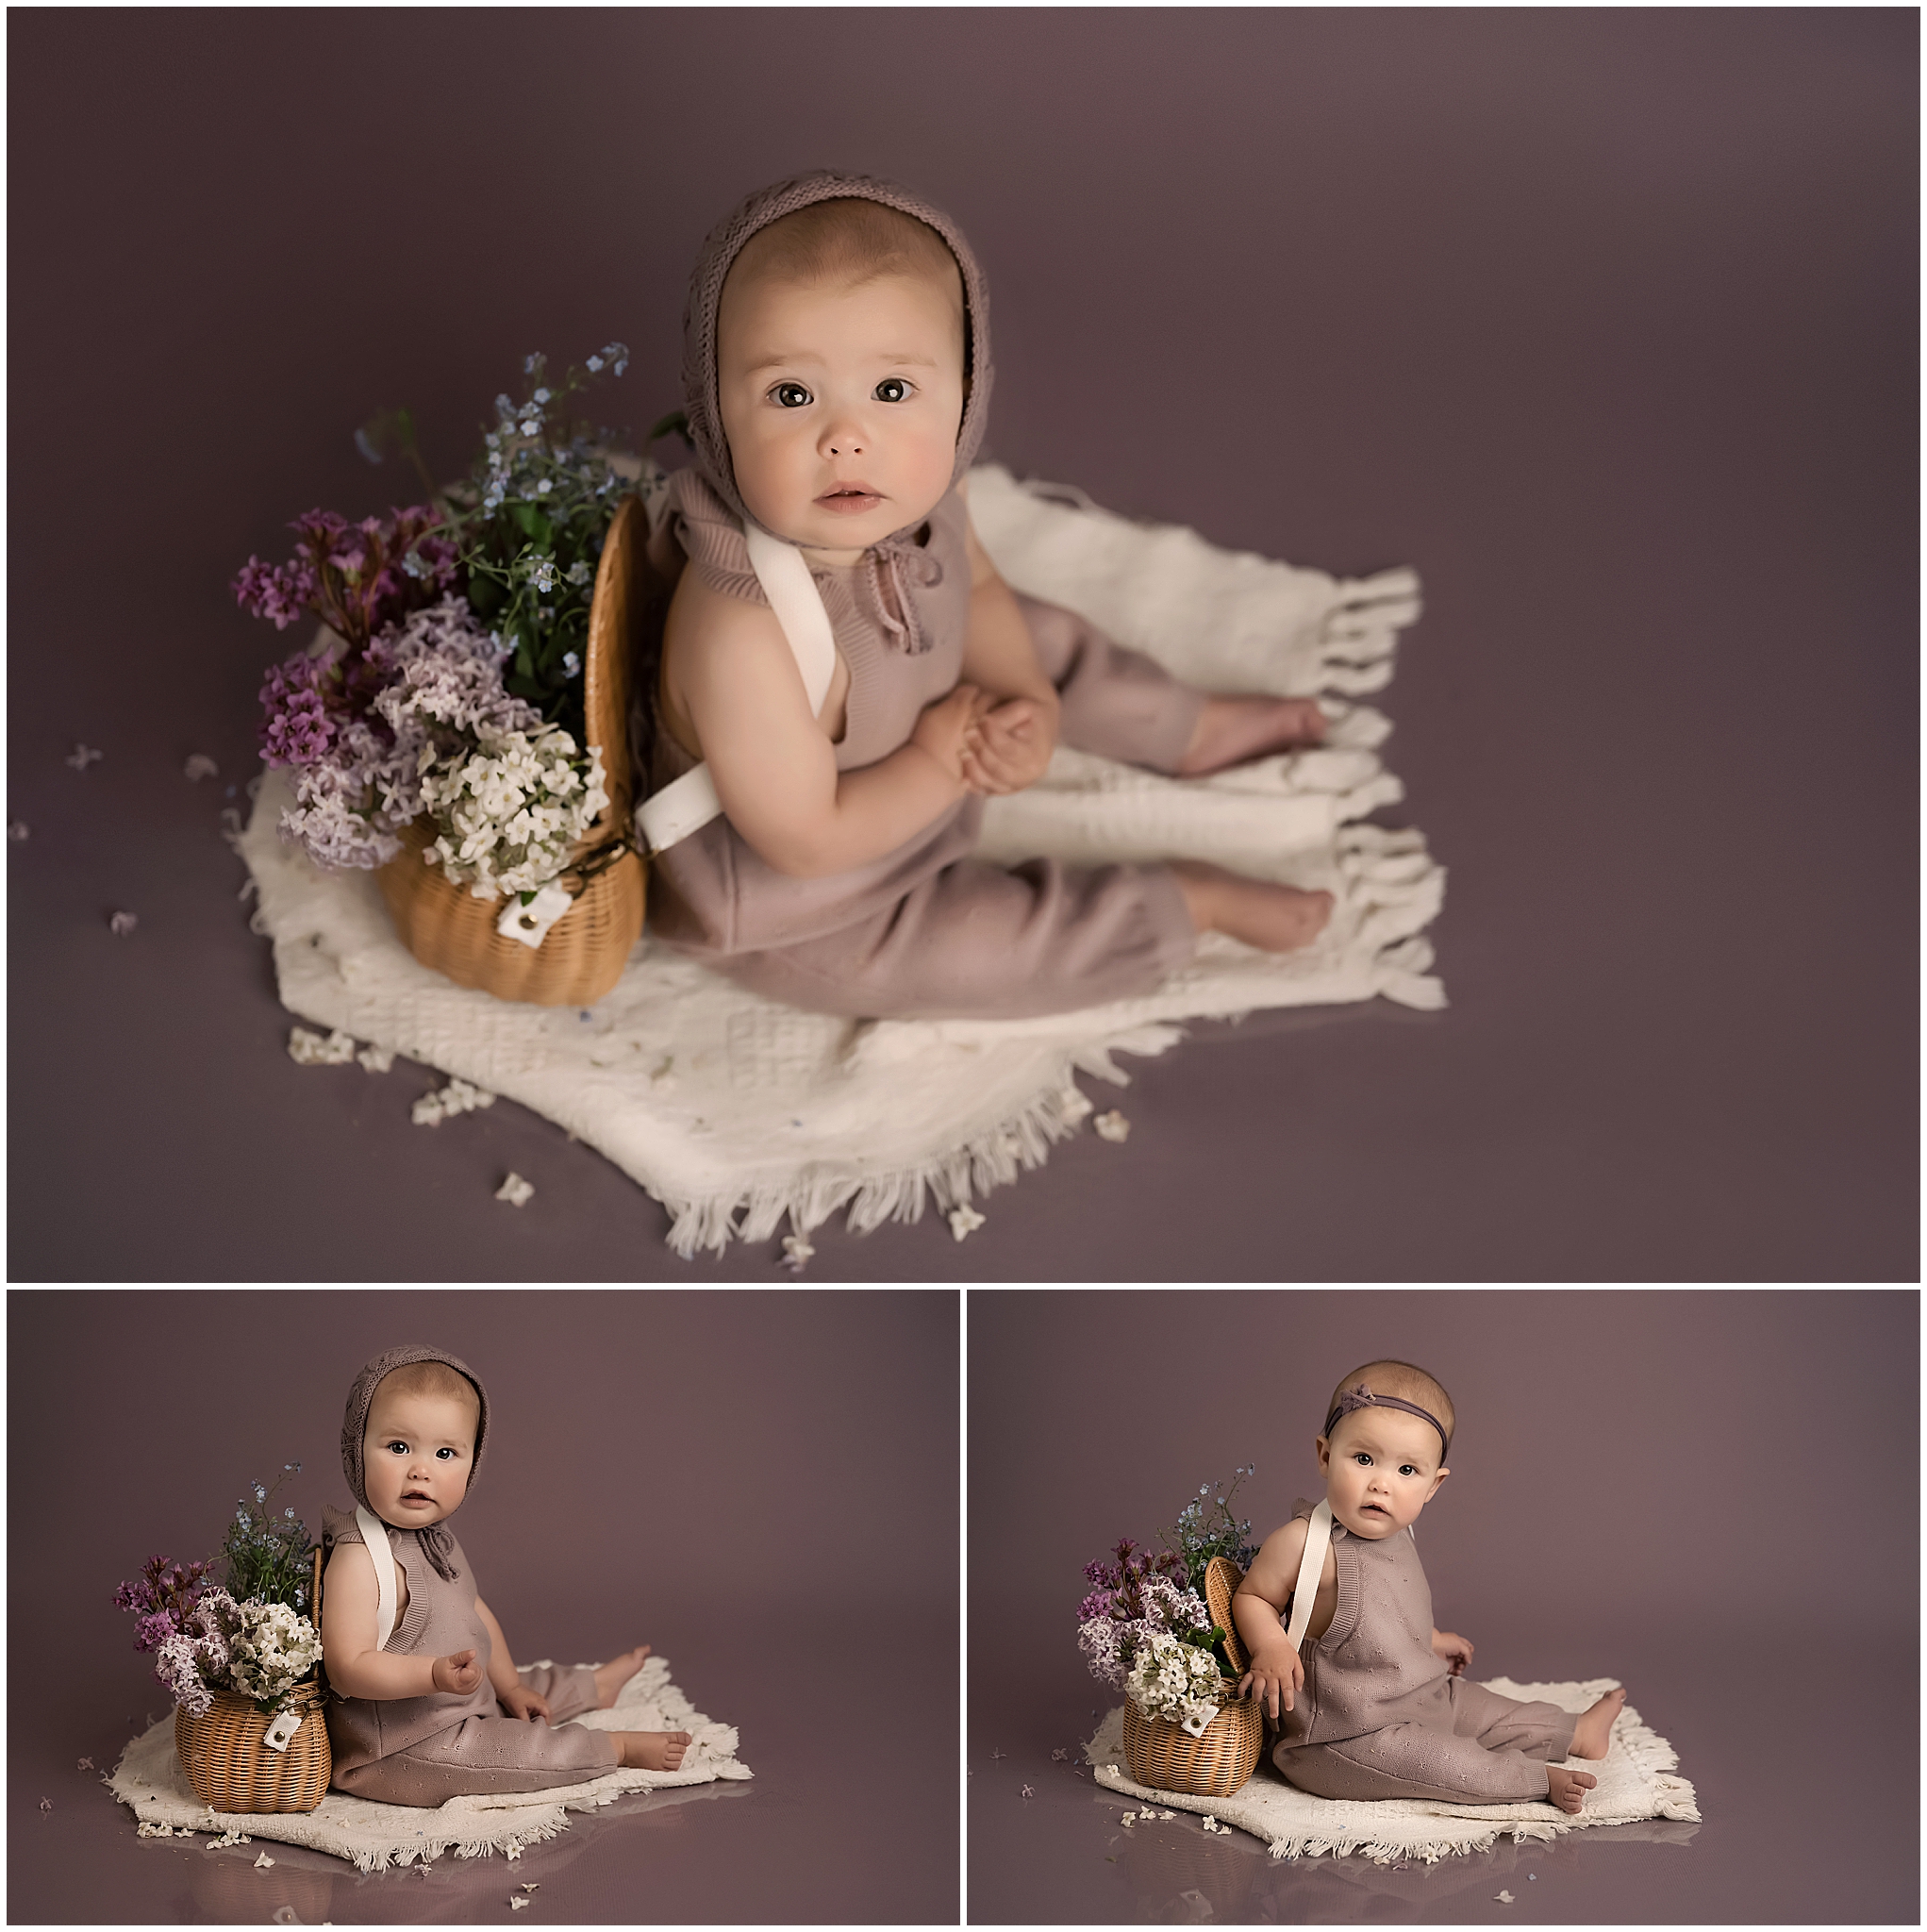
[991,1159]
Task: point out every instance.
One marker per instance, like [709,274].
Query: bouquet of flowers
[448,681]
[1145,1628]
[204,1639]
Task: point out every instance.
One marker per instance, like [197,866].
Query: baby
[427,1703]
[1376,1706]
[836,378]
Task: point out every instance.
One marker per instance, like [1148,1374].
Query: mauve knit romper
[926,931]
[1381,1717]
[423,1750]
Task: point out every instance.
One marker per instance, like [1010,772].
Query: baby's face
[416,1457]
[841,405]
[1382,1467]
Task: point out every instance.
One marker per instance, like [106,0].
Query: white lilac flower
[571,663]
[515,1191]
[594,365]
[1176,1681]
[579,572]
[542,396]
[962,1218]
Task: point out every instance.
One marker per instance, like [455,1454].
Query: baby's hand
[942,728]
[1275,1674]
[1456,1652]
[1009,748]
[458,1674]
[520,1701]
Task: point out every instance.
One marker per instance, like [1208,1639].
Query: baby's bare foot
[1278,919]
[1568,1789]
[652,1750]
[1230,730]
[1594,1731]
[616,1673]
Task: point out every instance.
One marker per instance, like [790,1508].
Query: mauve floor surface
[1837,1845]
[1602,320]
[817,1837]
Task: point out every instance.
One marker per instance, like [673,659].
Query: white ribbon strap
[690,801]
[1317,1539]
[374,1534]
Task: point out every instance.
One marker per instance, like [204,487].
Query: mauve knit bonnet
[435,1543]
[726,243]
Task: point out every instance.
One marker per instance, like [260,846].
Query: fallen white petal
[962,1218]
[16,829]
[514,1851]
[199,766]
[516,1905]
[1503,1898]
[378,1059]
[796,1251]
[1112,1126]
[516,1191]
[263,1863]
[121,923]
[310,1050]
[1028,1793]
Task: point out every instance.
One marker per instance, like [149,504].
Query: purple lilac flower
[296,730]
[281,592]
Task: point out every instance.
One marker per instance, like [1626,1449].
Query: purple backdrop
[1712,1496]
[1604,320]
[762,1485]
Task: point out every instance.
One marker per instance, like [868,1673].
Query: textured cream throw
[150,1779]
[1635,1781]
[735,1112]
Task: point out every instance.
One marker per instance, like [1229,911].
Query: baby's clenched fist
[457,1673]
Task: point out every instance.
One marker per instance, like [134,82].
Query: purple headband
[1362,1397]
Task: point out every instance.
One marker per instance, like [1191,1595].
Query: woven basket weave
[229,1767]
[1165,1756]
[583,953]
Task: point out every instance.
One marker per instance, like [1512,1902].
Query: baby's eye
[1406,1469]
[449,1453]
[892,389]
[399,1447]
[1360,1457]
[793,395]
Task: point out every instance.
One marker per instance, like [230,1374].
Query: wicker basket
[583,953]
[1165,1756]
[229,1767]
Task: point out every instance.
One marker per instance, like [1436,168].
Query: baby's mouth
[850,499]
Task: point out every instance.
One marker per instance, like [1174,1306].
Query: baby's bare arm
[1257,1609]
[1013,745]
[774,767]
[350,1606]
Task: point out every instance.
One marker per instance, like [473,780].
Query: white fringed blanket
[150,1779]
[1635,1781]
[735,1112]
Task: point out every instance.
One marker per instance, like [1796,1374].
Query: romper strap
[690,801]
[1317,1539]
[374,1534]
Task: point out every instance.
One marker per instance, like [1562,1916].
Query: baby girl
[1374,1705]
[837,382]
[427,1703]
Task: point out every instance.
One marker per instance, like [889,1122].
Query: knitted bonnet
[438,1545]
[700,402]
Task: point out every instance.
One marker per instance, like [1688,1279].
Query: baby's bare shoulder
[1274,1569]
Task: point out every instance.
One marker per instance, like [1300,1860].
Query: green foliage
[1205,1528]
[266,1556]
